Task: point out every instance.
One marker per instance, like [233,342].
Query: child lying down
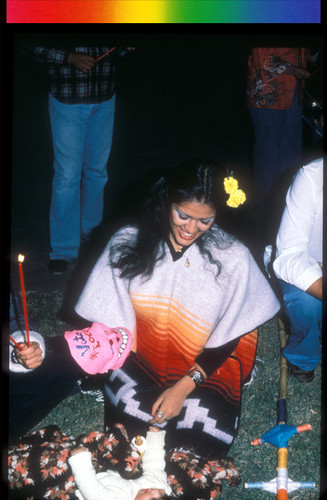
[50,464]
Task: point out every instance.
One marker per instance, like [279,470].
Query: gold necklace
[179,250]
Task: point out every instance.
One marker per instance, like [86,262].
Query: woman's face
[189,220]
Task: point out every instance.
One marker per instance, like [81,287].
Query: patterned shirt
[269,86]
[70,85]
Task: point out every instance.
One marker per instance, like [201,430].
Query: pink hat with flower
[98,348]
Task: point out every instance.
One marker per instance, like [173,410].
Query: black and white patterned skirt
[207,424]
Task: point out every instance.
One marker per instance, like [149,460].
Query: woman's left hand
[170,402]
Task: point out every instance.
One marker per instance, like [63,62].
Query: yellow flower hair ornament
[236,196]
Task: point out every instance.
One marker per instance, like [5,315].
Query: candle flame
[21,258]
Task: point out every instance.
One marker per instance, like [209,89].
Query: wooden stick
[16,344]
[20,265]
[283,362]
[105,54]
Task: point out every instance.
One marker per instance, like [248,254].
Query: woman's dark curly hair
[193,180]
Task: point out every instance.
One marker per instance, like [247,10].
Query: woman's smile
[188,221]
[185,235]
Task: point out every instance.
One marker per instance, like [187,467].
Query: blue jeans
[82,137]
[305,314]
[277,147]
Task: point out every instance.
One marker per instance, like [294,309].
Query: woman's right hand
[169,404]
[30,357]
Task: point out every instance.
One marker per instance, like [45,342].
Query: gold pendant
[187,263]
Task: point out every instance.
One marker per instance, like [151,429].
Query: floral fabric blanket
[38,465]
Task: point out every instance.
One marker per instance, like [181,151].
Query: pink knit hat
[98,348]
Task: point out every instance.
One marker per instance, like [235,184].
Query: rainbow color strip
[163,11]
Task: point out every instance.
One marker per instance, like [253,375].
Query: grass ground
[82,413]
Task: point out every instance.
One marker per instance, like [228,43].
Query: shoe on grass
[302,375]
[58,266]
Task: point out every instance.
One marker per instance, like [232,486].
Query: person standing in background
[276,79]
[82,85]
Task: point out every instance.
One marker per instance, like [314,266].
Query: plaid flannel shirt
[70,85]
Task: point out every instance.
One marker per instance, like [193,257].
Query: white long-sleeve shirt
[299,239]
[110,485]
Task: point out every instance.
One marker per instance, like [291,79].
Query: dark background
[178,96]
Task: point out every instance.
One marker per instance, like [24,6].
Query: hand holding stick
[21,260]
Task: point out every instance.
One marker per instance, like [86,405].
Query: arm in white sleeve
[154,456]
[153,460]
[295,261]
[105,298]
[86,479]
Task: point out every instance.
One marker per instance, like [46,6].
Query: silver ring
[161,414]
